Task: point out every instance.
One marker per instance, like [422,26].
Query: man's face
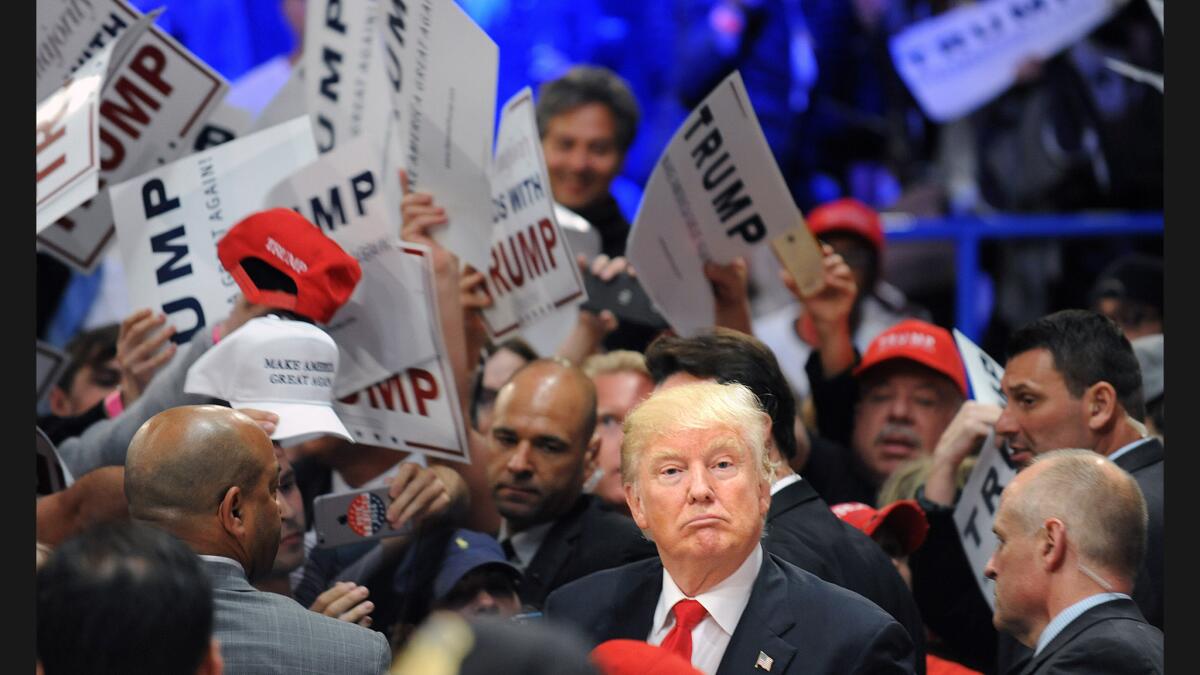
[616,394]
[484,591]
[903,408]
[88,387]
[582,156]
[1014,570]
[263,508]
[701,497]
[539,457]
[1041,414]
[497,370]
[291,514]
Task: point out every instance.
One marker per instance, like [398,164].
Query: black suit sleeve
[833,399]
[889,651]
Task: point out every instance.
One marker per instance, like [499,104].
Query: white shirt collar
[526,542]
[724,602]
[784,482]
[224,561]
[1126,448]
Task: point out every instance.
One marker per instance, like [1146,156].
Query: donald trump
[697,480]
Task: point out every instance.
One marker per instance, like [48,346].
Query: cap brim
[299,422]
[906,519]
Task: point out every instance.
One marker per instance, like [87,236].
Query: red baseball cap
[317,275]
[915,340]
[904,517]
[847,215]
[634,657]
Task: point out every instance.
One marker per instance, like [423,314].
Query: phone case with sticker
[352,517]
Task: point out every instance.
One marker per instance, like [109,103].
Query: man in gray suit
[208,475]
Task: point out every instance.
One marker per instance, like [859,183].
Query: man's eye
[609,421]
[671,471]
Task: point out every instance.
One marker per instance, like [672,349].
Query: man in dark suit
[800,527]
[542,449]
[1072,381]
[208,475]
[1072,531]
[697,479]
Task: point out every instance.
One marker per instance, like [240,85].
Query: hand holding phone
[352,517]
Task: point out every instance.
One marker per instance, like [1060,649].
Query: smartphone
[800,254]
[624,297]
[351,517]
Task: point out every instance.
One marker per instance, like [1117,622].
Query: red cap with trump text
[924,343]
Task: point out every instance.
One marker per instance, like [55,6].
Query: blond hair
[696,407]
[617,361]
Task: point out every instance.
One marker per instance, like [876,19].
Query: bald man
[208,475]
[1072,533]
[542,447]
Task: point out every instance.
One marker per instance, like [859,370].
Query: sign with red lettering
[442,71]
[68,159]
[170,221]
[152,107]
[384,327]
[532,271]
[416,409]
[715,193]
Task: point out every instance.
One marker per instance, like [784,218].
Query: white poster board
[532,272]
[441,72]
[715,193]
[976,509]
[171,219]
[346,93]
[959,60]
[152,105]
[383,327]
[417,409]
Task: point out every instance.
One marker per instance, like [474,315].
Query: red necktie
[688,614]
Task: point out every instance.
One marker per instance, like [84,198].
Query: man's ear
[634,500]
[60,403]
[1101,405]
[591,453]
[229,512]
[1052,544]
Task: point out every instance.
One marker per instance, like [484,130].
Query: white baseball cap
[278,365]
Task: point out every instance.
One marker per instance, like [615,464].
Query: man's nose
[518,461]
[900,408]
[989,570]
[285,509]
[700,487]
[1006,425]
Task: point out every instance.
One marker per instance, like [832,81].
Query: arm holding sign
[730,285]
[105,442]
[142,349]
[962,438]
[419,215]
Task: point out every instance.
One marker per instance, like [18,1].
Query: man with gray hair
[208,475]
[1072,533]
[697,480]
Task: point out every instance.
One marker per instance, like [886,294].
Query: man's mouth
[512,491]
[704,520]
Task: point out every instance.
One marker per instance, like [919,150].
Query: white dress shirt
[784,482]
[724,602]
[526,542]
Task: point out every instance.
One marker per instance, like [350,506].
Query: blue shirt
[1071,613]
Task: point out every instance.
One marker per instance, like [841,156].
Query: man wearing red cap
[793,332]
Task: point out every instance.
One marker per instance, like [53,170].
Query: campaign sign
[959,60]
[532,271]
[416,409]
[152,106]
[171,219]
[976,509]
[68,159]
[715,193]
[441,72]
[345,90]
[384,327]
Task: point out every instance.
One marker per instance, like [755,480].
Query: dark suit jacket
[804,624]
[584,540]
[1109,638]
[803,531]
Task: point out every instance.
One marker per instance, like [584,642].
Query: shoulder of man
[615,532]
[595,593]
[1112,639]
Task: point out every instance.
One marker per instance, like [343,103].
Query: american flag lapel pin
[765,662]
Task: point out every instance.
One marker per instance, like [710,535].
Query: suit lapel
[1142,456]
[765,619]
[553,554]
[632,615]
[790,497]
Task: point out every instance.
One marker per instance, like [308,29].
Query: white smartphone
[352,517]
